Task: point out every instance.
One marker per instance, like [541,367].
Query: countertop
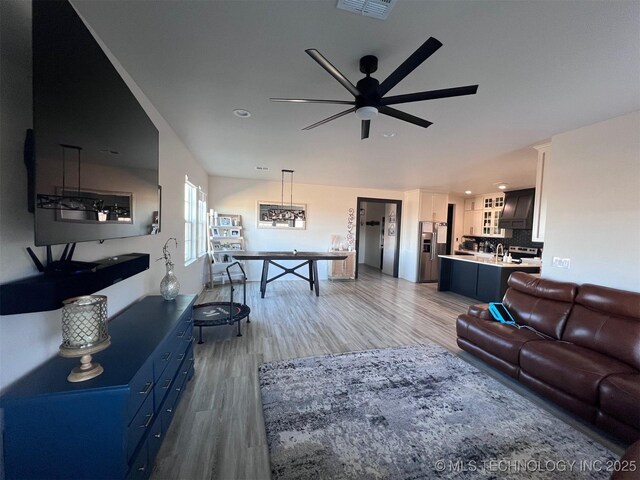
[488,261]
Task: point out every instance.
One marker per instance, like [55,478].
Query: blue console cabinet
[111,426]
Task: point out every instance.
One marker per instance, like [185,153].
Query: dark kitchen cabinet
[464,278]
[484,282]
[489,283]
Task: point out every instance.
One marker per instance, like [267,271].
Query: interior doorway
[378,234]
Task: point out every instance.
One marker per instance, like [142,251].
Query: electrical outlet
[561,262]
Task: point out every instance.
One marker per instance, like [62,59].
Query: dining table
[309,259]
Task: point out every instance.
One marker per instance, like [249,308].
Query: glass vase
[169,286]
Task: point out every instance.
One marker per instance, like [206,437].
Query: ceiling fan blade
[333,71]
[431,95]
[333,117]
[409,65]
[311,100]
[364,131]
[392,112]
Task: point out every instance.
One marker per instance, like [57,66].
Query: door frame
[398,204]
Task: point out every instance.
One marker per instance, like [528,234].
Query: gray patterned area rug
[412,413]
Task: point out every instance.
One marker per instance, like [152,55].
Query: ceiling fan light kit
[369,94]
[366,113]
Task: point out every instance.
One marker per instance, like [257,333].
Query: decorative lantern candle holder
[84,332]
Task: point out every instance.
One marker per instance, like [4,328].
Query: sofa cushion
[570,368]
[620,398]
[542,304]
[571,403]
[608,321]
[489,359]
[503,341]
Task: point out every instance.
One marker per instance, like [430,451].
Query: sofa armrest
[480,310]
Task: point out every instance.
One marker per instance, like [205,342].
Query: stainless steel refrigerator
[432,242]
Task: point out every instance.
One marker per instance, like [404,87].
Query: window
[202,222]
[190,219]
[195,222]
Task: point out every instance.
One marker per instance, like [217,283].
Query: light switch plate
[561,262]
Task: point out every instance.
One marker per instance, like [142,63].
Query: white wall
[408,268]
[28,340]
[327,209]
[593,212]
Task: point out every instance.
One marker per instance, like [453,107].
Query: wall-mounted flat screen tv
[95,148]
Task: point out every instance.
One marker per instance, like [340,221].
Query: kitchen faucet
[499,252]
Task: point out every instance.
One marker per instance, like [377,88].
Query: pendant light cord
[290,190]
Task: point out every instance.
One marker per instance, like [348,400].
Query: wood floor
[218,429]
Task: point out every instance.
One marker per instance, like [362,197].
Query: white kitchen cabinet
[493,201]
[433,206]
[472,223]
[540,199]
[473,203]
[492,209]
[482,214]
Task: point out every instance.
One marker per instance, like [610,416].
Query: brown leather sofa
[586,356]
[628,468]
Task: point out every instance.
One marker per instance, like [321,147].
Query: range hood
[517,213]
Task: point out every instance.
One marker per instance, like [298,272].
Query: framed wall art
[275,215]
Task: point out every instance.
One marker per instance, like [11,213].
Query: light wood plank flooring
[218,429]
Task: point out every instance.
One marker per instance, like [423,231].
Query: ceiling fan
[370,94]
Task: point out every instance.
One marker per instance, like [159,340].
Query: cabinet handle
[147,388]
[191,359]
[148,422]
[169,410]
[185,372]
[181,334]
[178,389]
[180,357]
[166,357]
[167,382]
[158,435]
[142,468]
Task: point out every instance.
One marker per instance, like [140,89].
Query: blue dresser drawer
[156,436]
[141,388]
[165,381]
[168,408]
[171,347]
[139,425]
[141,466]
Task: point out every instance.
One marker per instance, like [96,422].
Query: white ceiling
[543,67]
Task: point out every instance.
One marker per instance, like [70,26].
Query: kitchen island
[484,279]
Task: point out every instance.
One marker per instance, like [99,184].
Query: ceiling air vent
[262,169]
[369,8]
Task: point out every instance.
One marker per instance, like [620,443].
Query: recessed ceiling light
[389,135]
[239,112]
[468,192]
[502,186]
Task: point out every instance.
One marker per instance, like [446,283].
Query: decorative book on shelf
[226,237]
